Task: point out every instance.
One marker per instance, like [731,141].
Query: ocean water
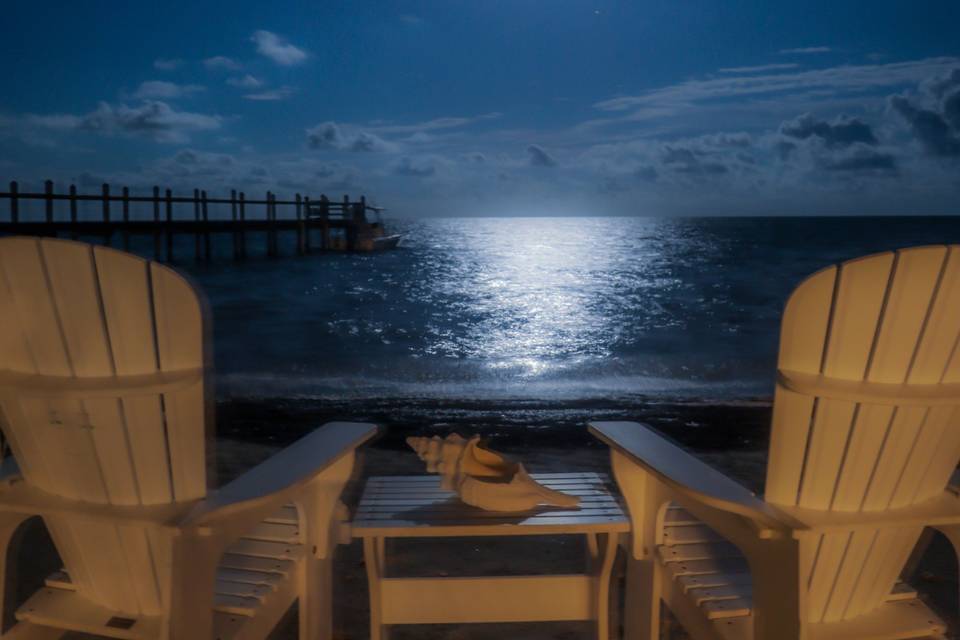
[557,310]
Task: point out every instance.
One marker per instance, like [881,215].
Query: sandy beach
[730,437]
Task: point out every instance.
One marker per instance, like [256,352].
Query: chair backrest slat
[180,345]
[801,349]
[887,551]
[32,311]
[128,309]
[937,357]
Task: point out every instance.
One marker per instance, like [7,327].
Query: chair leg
[641,616]
[9,524]
[952,532]
[194,573]
[778,589]
[316,599]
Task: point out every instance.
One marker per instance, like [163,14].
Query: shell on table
[484,478]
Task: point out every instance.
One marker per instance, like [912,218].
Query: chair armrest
[689,476]
[278,478]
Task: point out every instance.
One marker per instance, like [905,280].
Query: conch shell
[484,478]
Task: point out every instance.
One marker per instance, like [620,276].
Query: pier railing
[160,213]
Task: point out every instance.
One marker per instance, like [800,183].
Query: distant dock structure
[117,215]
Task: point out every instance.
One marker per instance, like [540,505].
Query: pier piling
[73,211]
[125,212]
[48,203]
[206,226]
[168,211]
[156,222]
[14,202]
[106,213]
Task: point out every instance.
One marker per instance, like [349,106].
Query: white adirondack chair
[865,437]
[104,400]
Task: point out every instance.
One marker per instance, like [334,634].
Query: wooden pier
[119,215]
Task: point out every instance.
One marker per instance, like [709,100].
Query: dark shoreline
[701,426]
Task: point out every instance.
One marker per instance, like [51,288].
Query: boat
[347,227]
[387,242]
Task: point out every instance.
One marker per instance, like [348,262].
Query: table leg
[374,557]
[593,552]
[602,589]
[593,546]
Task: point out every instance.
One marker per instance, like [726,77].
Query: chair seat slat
[689,552]
[245,562]
[732,608]
[689,534]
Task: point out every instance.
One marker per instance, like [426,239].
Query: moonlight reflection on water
[542,308]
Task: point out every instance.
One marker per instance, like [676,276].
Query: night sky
[496,107]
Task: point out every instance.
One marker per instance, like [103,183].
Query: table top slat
[416,506]
[441,516]
[437,492]
[394,503]
[590,475]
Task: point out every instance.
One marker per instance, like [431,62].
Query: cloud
[842,80]
[929,127]
[841,132]
[194,158]
[167,64]
[415,167]
[691,161]
[421,138]
[222,63]
[951,109]
[161,89]
[740,140]
[724,159]
[539,157]
[281,93]
[329,135]
[61,121]
[862,159]
[326,135]
[412,20]
[805,50]
[843,145]
[449,122]
[189,167]
[760,68]
[152,119]
[934,115]
[646,173]
[277,49]
[365,141]
[942,85]
[246,82]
